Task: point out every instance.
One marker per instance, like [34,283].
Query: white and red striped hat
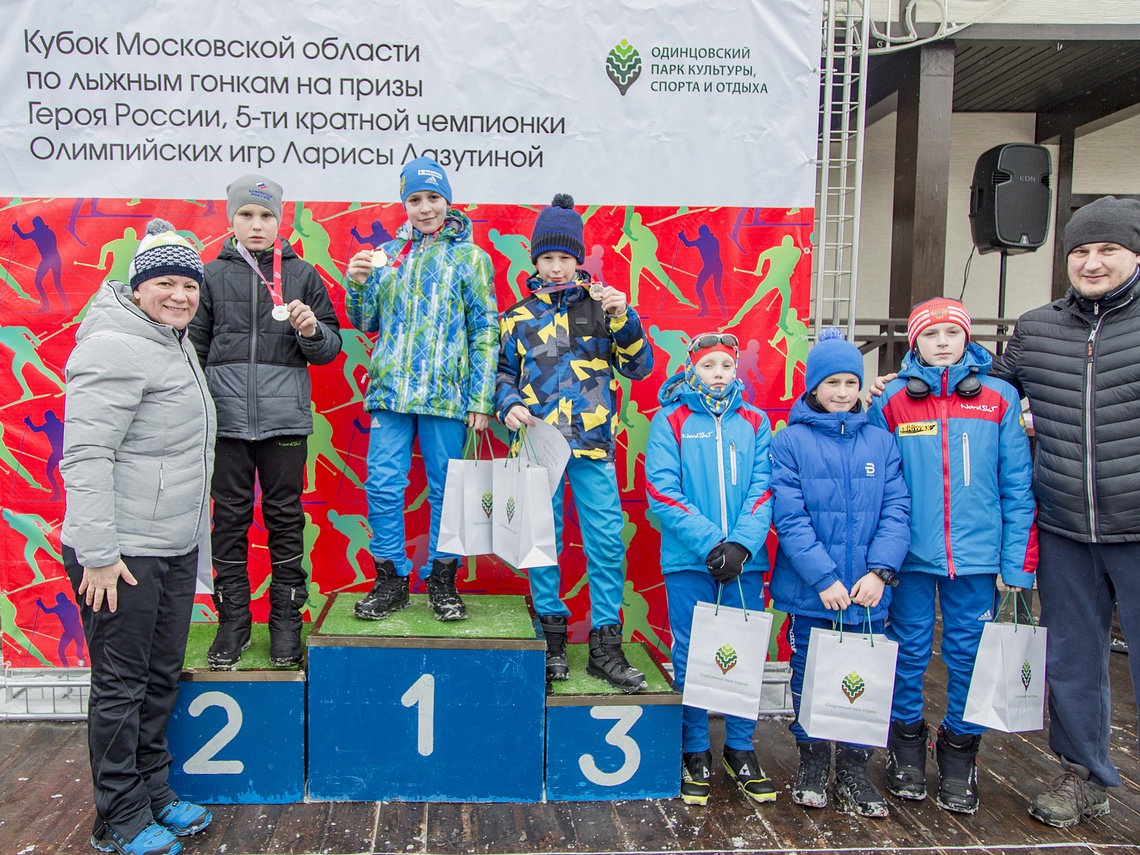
[939,310]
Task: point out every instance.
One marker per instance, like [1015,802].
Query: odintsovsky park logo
[726,659]
[853,686]
[623,66]
[487,503]
[1026,675]
[510,508]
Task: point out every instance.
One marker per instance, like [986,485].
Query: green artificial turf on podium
[489,616]
[581,683]
[255,659]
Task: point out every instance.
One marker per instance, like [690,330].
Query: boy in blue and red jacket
[707,473]
[967,462]
[560,348]
[841,514]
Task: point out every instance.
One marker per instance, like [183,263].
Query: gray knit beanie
[1105,220]
[253,190]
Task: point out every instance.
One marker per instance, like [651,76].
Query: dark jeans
[136,653]
[1077,584]
[278,464]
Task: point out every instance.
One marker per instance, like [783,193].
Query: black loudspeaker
[1009,199]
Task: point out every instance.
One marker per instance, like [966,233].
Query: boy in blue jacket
[707,473]
[965,455]
[560,348]
[841,514]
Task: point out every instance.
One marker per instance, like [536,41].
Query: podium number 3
[422,692]
[203,762]
[625,718]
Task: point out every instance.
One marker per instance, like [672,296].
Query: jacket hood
[113,311]
[456,227]
[229,250]
[832,423]
[975,360]
[677,390]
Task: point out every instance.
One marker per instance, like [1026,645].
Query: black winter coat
[1078,362]
[258,371]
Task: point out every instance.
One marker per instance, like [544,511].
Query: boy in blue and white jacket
[707,473]
[841,514]
[967,462]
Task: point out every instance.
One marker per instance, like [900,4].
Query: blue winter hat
[558,229]
[423,173]
[832,354]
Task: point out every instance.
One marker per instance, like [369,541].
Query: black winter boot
[442,594]
[285,604]
[906,760]
[554,628]
[696,772]
[608,662]
[853,789]
[234,624]
[389,594]
[810,788]
[957,771]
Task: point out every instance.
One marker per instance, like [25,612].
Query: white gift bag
[849,684]
[522,515]
[1007,689]
[465,518]
[727,651]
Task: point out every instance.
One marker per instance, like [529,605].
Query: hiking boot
[285,604]
[442,595]
[744,768]
[696,770]
[182,818]
[957,771]
[152,840]
[906,760]
[853,789]
[608,662]
[810,788]
[389,594]
[557,665]
[234,624]
[1072,797]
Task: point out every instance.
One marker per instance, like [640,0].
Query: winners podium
[413,709]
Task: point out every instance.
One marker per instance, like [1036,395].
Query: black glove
[726,561]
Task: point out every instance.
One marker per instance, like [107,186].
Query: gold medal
[379,258]
[596,290]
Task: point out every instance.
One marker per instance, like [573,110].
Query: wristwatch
[887,575]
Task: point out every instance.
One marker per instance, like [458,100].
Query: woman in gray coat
[138,455]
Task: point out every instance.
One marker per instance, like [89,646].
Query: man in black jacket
[1076,360]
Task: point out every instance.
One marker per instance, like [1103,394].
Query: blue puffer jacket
[707,477]
[965,458]
[842,509]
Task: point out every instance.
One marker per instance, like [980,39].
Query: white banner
[670,102]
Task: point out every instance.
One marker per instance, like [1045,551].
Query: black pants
[1078,584]
[279,467]
[136,653]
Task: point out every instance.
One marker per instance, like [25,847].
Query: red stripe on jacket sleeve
[765,496]
[657,495]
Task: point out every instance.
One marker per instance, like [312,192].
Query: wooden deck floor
[46,808]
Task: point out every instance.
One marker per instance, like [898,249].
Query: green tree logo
[510,508]
[623,66]
[1026,675]
[853,686]
[726,659]
[487,503]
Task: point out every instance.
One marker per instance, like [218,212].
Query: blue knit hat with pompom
[558,229]
[832,354]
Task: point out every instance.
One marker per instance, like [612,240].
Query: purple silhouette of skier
[50,262]
[68,614]
[712,266]
[53,429]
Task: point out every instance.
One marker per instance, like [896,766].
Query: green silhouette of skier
[23,343]
[643,258]
[781,261]
[795,335]
[35,530]
[516,249]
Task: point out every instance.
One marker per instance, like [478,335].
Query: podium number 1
[422,692]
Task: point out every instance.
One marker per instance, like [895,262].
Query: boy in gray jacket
[265,316]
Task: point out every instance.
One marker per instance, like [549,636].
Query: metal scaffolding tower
[840,184]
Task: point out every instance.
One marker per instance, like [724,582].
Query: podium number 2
[625,718]
[203,762]
[422,692]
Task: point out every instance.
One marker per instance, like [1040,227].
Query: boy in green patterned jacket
[429,295]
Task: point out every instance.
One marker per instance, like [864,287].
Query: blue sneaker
[183,818]
[152,840]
